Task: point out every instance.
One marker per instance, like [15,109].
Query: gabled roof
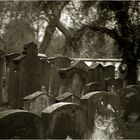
[34,95]
[94,65]
[64,96]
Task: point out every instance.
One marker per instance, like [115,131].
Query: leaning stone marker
[20,124]
[56,64]
[65,120]
[28,73]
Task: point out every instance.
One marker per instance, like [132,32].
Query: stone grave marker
[10,77]
[37,102]
[96,74]
[98,103]
[93,86]
[1,74]
[74,78]
[46,73]
[20,124]
[109,71]
[68,97]
[65,120]
[56,63]
[112,84]
[28,74]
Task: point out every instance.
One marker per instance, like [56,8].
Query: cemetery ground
[64,98]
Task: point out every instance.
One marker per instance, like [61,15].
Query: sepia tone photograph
[70,69]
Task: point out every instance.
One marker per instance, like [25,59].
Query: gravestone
[112,84]
[68,97]
[37,102]
[98,103]
[46,73]
[28,73]
[10,76]
[136,87]
[94,86]
[65,120]
[1,74]
[74,78]
[109,71]
[56,63]
[96,74]
[20,124]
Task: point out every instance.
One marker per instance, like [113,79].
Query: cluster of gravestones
[61,97]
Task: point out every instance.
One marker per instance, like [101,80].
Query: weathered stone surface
[65,119]
[136,87]
[94,86]
[109,71]
[28,74]
[96,74]
[55,81]
[46,73]
[112,84]
[68,97]
[101,103]
[1,73]
[10,77]
[37,102]
[74,78]
[20,124]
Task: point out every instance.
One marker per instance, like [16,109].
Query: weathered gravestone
[96,74]
[68,97]
[100,103]
[1,73]
[10,76]
[112,84]
[62,120]
[46,73]
[136,87]
[28,73]
[20,124]
[109,71]
[94,86]
[130,102]
[74,78]
[56,64]
[37,102]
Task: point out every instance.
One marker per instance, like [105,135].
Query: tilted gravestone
[20,124]
[37,102]
[74,78]
[54,81]
[93,86]
[109,71]
[1,73]
[68,97]
[112,84]
[96,74]
[63,120]
[28,73]
[98,103]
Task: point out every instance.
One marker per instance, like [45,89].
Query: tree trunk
[47,37]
